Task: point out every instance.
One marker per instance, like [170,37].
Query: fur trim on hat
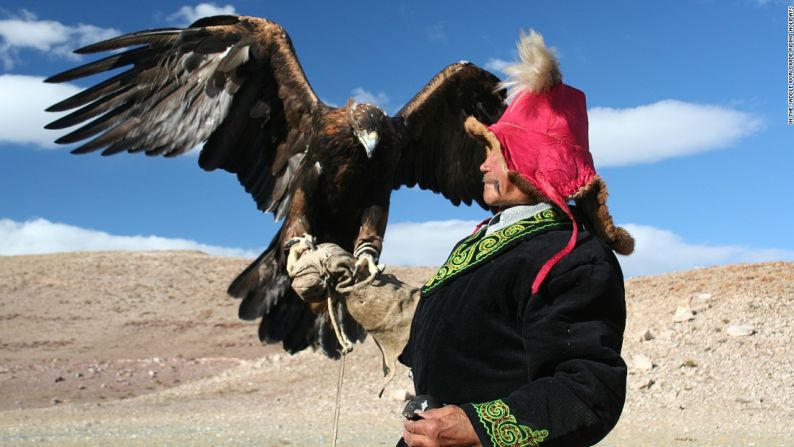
[478,130]
[592,201]
[538,69]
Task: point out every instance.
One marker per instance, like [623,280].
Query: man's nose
[485,166]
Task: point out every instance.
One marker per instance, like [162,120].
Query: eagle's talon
[366,262]
[308,239]
[297,246]
[290,243]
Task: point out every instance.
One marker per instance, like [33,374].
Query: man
[520,331]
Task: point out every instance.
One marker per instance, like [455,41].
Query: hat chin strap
[544,271]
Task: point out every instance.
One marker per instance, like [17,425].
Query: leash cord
[347,346]
[338,398]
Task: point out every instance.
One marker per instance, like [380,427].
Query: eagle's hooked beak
[369,140]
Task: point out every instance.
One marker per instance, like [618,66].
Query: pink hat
[542,137]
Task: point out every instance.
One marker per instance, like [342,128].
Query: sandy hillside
[146,349]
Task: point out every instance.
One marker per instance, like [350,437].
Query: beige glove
[383,306]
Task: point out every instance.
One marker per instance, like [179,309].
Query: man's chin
[489,195]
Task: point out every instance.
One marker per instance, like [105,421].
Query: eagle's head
[368,122]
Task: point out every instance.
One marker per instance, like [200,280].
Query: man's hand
[445,426]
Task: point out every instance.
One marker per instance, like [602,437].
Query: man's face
[498,190]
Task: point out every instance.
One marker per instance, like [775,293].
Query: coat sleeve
[572,333]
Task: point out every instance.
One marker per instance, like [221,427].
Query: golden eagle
[236,84]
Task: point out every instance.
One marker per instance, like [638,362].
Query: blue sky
[687,104]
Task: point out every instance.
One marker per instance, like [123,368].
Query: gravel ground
[145,349]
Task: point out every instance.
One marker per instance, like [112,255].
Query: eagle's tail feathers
[327,336]
[262,284]
[302,332]
[291,322]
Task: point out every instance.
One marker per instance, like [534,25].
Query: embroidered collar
[481,246]
[514,214]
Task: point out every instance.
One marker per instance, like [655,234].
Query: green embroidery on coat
[479,247]
[503,429]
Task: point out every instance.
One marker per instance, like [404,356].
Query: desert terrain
[145,348]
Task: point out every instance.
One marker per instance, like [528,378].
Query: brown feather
[94,127]
[108,63]
[94,109]
[147,37]
[107,87]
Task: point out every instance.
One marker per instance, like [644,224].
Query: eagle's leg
[297,238]
[369,242]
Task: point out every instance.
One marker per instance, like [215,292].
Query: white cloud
[27,32]
[423,243]
[42,236]
[496,64]
[657,250]
[665,129]
[380,99]
[189,14]
[437,31]
[22,109]
[407,243]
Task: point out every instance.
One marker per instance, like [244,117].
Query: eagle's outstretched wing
[233,82]
[437,153]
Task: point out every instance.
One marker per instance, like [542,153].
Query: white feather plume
[538,69]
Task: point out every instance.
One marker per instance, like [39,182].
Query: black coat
[527,369]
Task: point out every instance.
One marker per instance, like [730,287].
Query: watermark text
[790,76]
